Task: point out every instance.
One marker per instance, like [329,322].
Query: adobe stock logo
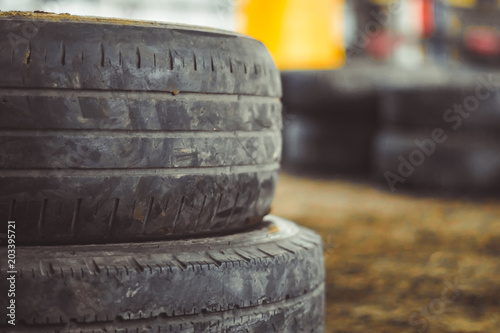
[455,118]
[379,21]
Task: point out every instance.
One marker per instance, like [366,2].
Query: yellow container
[300,34]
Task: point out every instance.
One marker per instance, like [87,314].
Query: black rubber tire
[323,147]
[301,314]
[114,131]
[348,93]
[427,100]
[265,279]
[461,165]
[331,120]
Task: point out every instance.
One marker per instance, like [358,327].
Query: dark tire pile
[439,133]
[139,161]
[431,131]
[331,119]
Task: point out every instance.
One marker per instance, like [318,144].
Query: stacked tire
[331,119]
[138,162]
[440,132]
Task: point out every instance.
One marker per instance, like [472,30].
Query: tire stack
[138,162]
[440,132]
[331,119]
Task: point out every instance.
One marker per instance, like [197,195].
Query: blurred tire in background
[317,146]
[331,119]
[456,165]
[439,132]
[454,98]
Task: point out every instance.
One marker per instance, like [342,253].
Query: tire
[427,102]
[321,147]
[117,131]
[301,314]
[331,120]
[347,93]
[265,279]
[461,164]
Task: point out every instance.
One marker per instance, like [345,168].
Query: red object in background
[484,41]
[428,18]
[383,45]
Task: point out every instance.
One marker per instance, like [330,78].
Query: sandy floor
[400,264]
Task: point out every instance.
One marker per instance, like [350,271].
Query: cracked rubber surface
[265,279]
[118,131]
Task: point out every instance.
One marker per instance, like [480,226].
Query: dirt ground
[398,263]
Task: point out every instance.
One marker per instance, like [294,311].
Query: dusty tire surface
[264,279]
[462,164]
[301,314]
[117,131]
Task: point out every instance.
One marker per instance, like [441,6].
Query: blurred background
[391,146]
[217,14]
